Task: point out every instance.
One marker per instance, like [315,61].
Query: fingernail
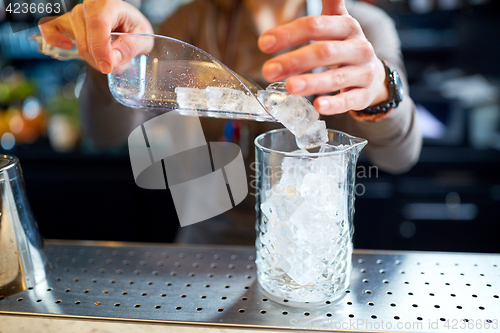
[273,70]
[266,42]
[117,57]
[323,105]
[298,85]
[104,67]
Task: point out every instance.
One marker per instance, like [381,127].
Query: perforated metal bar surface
[389,291]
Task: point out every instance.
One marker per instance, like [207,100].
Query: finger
[99,20]
[306,29]
[319,54]
[354,99]
[334,7]
[126,47]
[52,28]
[331,80]
[80,35]
[120,17]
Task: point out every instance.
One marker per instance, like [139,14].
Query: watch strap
[361,116]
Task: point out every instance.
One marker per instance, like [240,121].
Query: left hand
[341,45]
[90,25]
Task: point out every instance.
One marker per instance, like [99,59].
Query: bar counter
[129,287]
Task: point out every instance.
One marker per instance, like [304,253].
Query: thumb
[334,7]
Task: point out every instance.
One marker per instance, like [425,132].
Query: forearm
[105,122]
[394,143]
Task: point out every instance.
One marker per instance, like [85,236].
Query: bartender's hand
[341,45]
[90,25]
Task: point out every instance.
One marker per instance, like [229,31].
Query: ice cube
[327,148]
[277,86]
[332,165]
[279,264]
[296,113]
[306,273]
[294,169]
[282,203]
[302,268]
[315,230]
[315,136]
[191,99]
[322,191]
[271,98]
[224,99]
[251,105]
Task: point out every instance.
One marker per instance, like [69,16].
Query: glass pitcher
[305,208]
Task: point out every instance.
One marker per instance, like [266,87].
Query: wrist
[378,111]
[381,86]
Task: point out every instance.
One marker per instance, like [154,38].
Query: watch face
[398,86]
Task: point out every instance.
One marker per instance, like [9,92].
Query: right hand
[340,44]
[90,25]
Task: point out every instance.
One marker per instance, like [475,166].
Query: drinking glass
[305,208]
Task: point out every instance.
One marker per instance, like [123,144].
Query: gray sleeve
[394,143]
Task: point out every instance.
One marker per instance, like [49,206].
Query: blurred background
[448,202]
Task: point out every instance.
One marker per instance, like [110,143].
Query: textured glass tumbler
[305,207]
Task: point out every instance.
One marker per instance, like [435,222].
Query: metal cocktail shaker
[22,262]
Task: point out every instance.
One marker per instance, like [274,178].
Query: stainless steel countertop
[390,291]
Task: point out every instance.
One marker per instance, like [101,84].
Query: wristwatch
[395,87]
